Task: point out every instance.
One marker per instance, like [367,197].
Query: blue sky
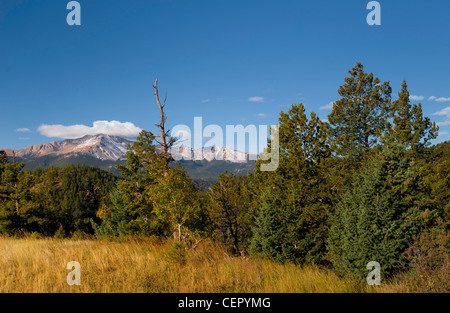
[230,62]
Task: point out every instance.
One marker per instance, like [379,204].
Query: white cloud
[262,114]
[441,99]
[324,120]
[445,123]
[416,98]
[256,99]
[443,133]
[113,128]
[329,106]
[206,100]
[23,130]
[445,112]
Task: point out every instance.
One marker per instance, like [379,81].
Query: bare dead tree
[166,141]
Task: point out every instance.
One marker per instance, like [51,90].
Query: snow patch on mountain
[107,147]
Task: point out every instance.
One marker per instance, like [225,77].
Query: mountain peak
[114,148]
[101,146]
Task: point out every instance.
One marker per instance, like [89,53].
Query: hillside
[203,172]
[106,152]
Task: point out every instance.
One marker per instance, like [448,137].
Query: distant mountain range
[102,147]
[107,151]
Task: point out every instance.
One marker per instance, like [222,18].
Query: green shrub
[35,235]
[60,233]
[78,235]
[429,258]
[177,253]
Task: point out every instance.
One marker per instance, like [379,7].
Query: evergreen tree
[301,189]
[152,198]
[436,161]
[361,115]
[18,209]
[303,143]
[231,211]
[131,201]
[121,218]
[378,217]
[70,197]
[287,230]
[410,127]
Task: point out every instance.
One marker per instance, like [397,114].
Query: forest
[365,185]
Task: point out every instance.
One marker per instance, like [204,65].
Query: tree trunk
[165,143]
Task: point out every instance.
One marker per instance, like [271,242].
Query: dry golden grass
[142,265]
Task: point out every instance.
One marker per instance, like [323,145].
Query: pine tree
[303,151]
[378,217]
[300,192]
[123,218]
[131,209]
[436,161]
[303,142]
[270,231]
[18,209]
[231,211]
[152,199]
[287,230]
[410,127]
[361,115]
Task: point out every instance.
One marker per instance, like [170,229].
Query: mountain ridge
[114,148]
[106,152]
[104,147]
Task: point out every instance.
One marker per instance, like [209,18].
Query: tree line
[365,185]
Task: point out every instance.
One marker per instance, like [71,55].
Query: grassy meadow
[142,265]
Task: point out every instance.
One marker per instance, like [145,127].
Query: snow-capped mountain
[103,147]
[211,153]
[113,148]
